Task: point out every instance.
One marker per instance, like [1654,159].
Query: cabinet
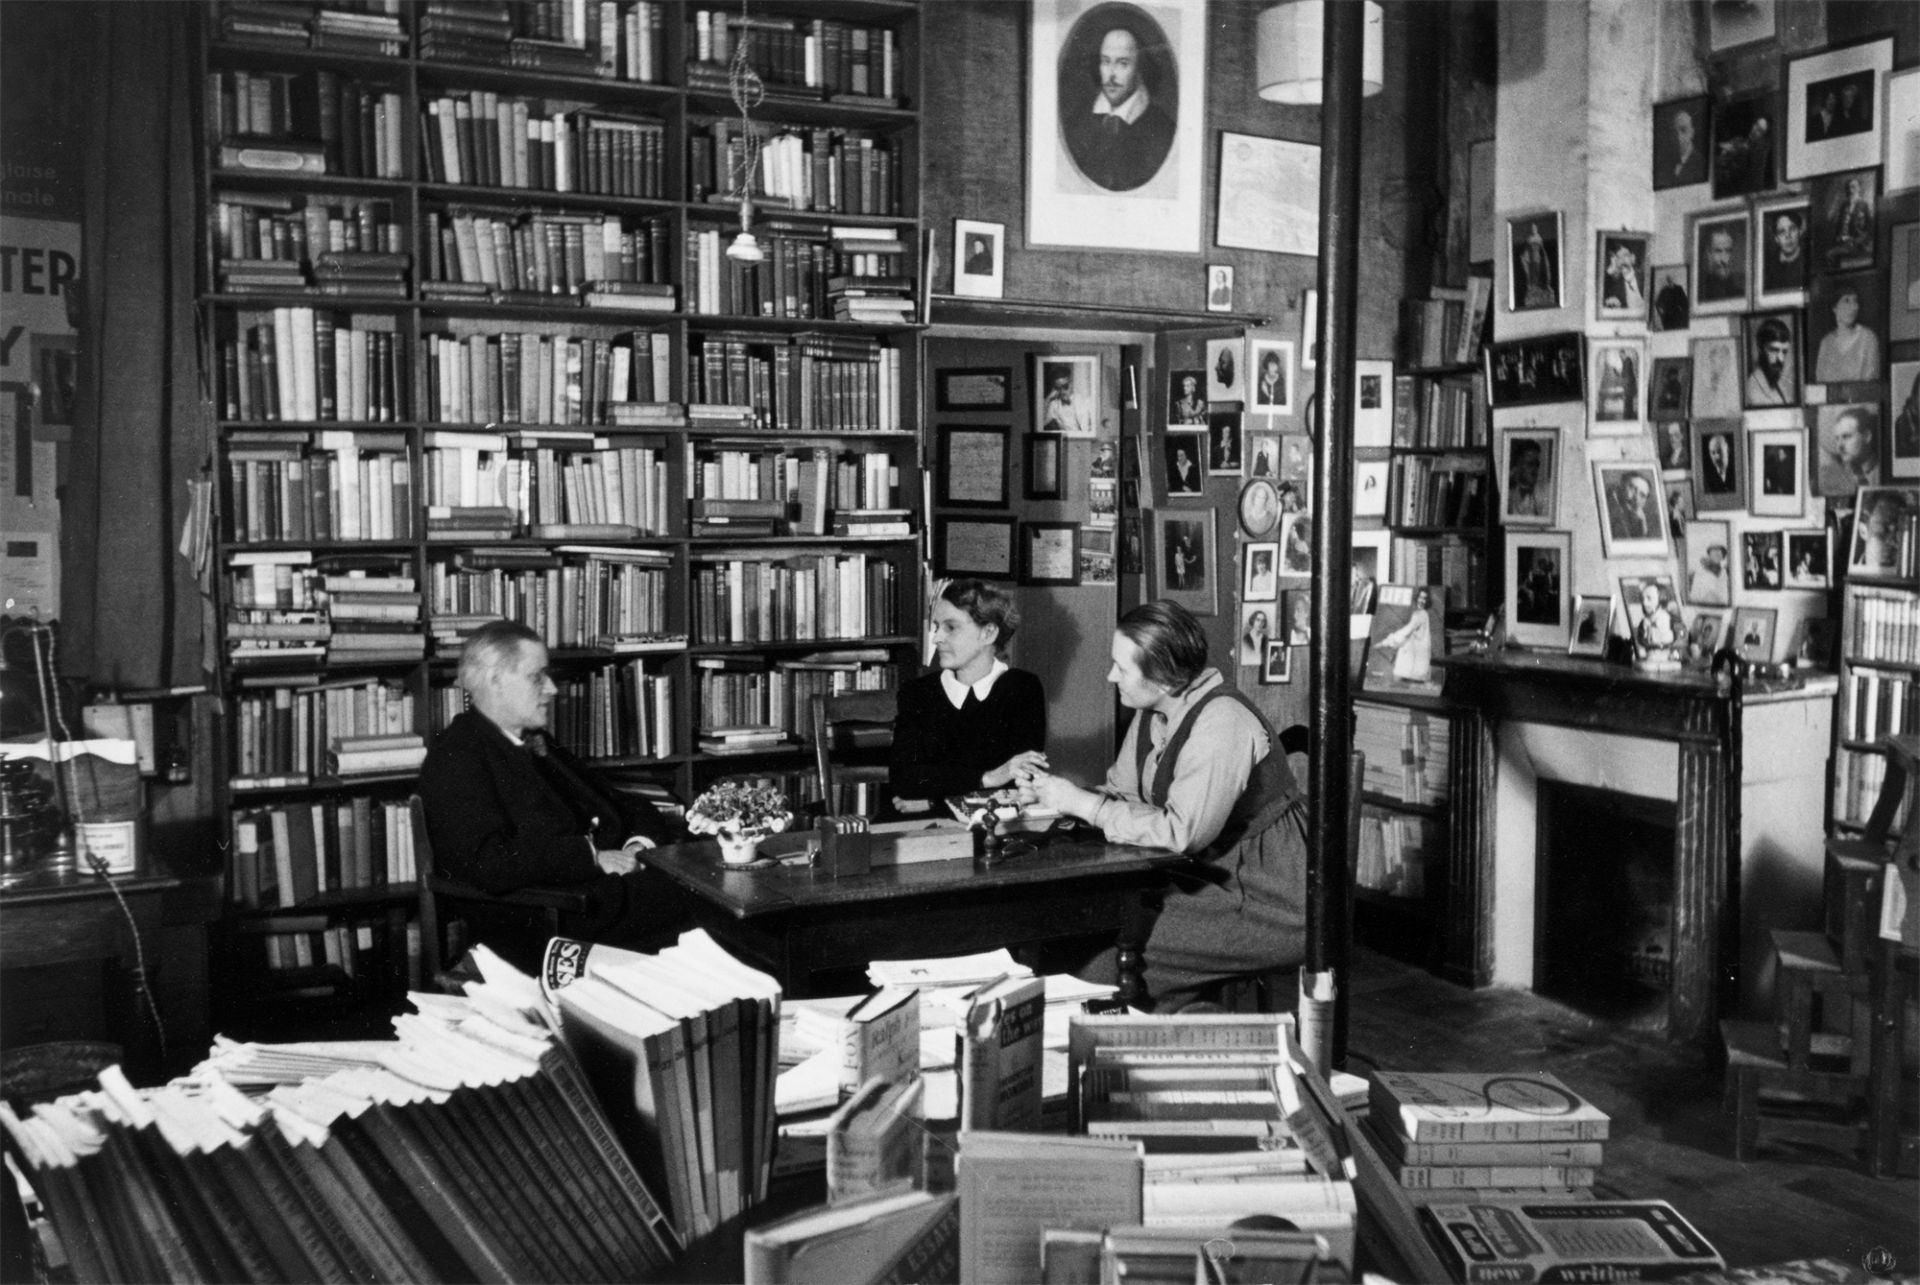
[478,349]
[1879,673]
[1400,868]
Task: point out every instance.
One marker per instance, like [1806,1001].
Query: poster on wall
[1117,104]
[1269,195]
[38,367]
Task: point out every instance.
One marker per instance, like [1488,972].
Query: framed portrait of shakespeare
[1719,466]
[1117,110]
[1836,101]
[1781,249]
[1720,261]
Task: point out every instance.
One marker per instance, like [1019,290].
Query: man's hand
[616,861]
[1008,772]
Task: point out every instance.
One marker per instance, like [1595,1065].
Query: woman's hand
[1007,773]
[1058,793]
[616,861]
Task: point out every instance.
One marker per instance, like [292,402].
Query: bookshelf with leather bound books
[476,348]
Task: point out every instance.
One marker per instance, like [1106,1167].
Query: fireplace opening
[1603,918]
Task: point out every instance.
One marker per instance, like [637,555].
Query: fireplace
[1603,910]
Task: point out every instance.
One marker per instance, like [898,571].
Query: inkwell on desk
[36,839]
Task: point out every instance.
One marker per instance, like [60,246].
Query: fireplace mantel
[1697,712]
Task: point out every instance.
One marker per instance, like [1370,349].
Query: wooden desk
[796,922]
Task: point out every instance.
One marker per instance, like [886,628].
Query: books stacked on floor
[374,755]
[1458,1132]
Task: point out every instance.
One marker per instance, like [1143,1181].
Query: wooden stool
[1854,869]
[1823,1010]
[1827,1108]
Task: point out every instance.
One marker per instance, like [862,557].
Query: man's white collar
[1129,111]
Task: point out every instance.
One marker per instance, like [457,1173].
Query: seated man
[506,809]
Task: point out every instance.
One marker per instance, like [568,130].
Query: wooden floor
[1670,1139]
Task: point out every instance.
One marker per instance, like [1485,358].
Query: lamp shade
[1289,63]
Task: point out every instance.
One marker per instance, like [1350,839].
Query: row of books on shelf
[547,253]
[759,691]
[296,581]
[809,383]
[280,231]
[284,733]
[342,486]
[549,480]
[615,711]
[821,168]
[1885,625]
[1439,413]
[336,29]
[813,479]
[1406,752]
[572,595]
[285,856]
[1394,851]
[852,273]
[316,957]
[822,596]
[1439,491]
[1457,565]
[306,364]
[524,377]
[484,138]
[1448,328]
[355,125]
[1878,703]
[1857,779]
[610,39]
[837,60]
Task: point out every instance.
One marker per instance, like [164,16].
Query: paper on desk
[954,970]
[813,1085]
[1064,988]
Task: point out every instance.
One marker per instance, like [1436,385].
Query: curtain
[131,611]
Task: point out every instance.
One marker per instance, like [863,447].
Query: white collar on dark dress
[957,691]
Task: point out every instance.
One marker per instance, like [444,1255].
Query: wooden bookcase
[474,341]
[1879,654]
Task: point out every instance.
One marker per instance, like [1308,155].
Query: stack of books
[375,618]
[258,22]
[870,287]
[748,739]
[1463,1132]
[367,35]
[375,274]
[375,755]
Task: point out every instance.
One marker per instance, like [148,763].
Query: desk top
[42,886]
[771,889]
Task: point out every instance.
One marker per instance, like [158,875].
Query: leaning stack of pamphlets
[1474,1131]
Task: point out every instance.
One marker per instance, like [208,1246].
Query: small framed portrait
[1534,371]
[974,546]
[979,259]
[1812,644]
[1671,399]
[1808,558]
[1296,468]
[1746,145]
[973,466]
[1226,381]
[1368,566]
[1049,553]
[1760,558]
[1843,212]
[1256,631]
[1681,133]
[1133,552]
[1633,509]
[1770,350]
[1849,449]
[1777,463]
[1706,634]
[1903,453]
[1186,456]
[1538,566]
[1226,444]
[1270,369]
[1296,544]
[1620,275]
[1654,622]
[1219,287]
[1296,611]
[1679,486]
[1530,477]
[1716,377]
[1259,509]
[1879,514]
[1592,622]
[1707,565]
[1834,104]
[982,388]
[1903,314]
[1720,260]
[1370,480]
[1260,571]
[1719,465]
[1847,327]
[1187,398]
[1372,403]
[1046,466]
[1066,394]
[1614,406]
[1781,249]
[1744,23]
[1263,455]
[1096,567]
[1533,261]
[1278,668]
[1751,634]
[1106,459]
[1184,558]
[1103,502]
[1672,305]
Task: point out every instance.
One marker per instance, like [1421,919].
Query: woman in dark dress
[974,722]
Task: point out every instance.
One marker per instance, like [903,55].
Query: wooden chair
[847,722]
[517,924]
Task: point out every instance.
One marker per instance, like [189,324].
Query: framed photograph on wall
[1843,210]
[1263,455]
[1706,633]
[1185,570]
[1296,616]
[1539,564]
[1310,330]
[1770,352]
[1716,376]
[1270,376]
[1226,445]
[1777,463]
[979,258]
[1847,328]
[1672,305]
[968,388]
[1534,261]
[1903,444]
[1848,438]
[1226,381]
[1049,553]
[1278,667]
[1186,457]
[1633,509]
[1706,569]
[1405,636]
[1878,515]
[1719,465]
[1903,312]
[1761,554]
[1835,104]
[1654,622]
[1219,287]
[1615,406]
[1808,558]
[1045,465]
[1066,394]
[1592,621]
[1530,477]
[1746,144]
[1671,400]
[1681,134]
[1534,371]
[1260,575]
[974,546]
[1370,481]
[972,472]
[1259,507]
[1187,398]
[1720,260]
[1751,635]
[1620,275]
[1089,184]
[1372,403]
[1781,249]
[1296,544]
[1256,628]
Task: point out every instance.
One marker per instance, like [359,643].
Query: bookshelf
[1879,654]
[1400,872]
[477,350]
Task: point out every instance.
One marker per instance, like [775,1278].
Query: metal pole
[1323,977]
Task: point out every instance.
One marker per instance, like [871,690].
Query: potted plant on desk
[739,816]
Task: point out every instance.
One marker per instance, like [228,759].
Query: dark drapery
[130,609]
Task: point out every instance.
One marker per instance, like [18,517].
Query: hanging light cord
[748,91]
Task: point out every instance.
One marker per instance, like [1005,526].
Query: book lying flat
[1484,1107]
[1577,1241]
[907,1236]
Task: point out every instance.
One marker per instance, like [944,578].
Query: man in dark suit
[1121,140]
[507,809]
[1717,476]
[1630,509]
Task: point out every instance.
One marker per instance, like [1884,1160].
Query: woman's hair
[493,646]
[1173,647]
[985,605]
